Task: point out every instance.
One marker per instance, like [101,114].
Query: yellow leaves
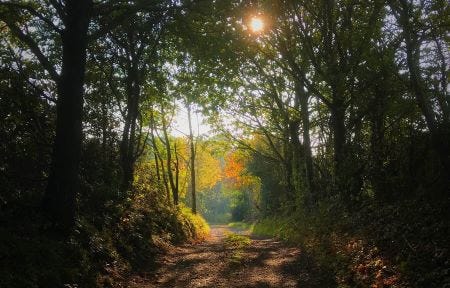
[208,169]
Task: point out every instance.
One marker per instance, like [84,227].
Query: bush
[195,225]
[113,235]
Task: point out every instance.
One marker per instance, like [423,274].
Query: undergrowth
[195,223]
[375,247]
[353,261]
[111,239]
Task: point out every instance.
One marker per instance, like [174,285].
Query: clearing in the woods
[227,260]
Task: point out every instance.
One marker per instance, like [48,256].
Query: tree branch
[34,12]
[33,46]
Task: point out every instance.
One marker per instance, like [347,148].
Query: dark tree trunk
[163,169]
[377,126]
[338,129]
[285,158]
[307,153]
[128,145]
[177,168]
[60,199]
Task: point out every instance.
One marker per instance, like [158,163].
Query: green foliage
[378,244]
[280,227]
[367,81]
[272,182]
[114,235]
[214,204]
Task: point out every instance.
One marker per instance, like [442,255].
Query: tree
[192,159]
[74,16]
[433,99]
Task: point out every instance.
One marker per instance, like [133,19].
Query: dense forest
[126,123]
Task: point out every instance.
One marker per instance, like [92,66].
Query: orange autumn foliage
[234,170]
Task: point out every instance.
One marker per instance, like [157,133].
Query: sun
[256,24]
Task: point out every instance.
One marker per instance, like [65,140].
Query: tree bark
[338,129]
[307,153]
[59,201]
[377,119]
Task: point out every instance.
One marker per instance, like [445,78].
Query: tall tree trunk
[158,172]
[192,160]
[163,169]
[338,129]
[177,168]
[286,160]
[166,141]
[63,183]
[296,148]
[158,156]
[307,153]
[128,144]
[377,146]
[301,103]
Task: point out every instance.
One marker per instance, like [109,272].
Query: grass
[285,229]
[236,241]
[237,244]
[241,225]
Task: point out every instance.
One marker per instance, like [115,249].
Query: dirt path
[264,263]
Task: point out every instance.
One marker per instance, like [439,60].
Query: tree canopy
[330,113]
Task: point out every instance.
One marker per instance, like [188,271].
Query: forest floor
[259,263]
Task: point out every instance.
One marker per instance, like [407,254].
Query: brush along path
[228,259]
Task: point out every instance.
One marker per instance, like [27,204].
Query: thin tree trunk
[159,158]
[177,167]
[158,172]
[169,161]
[192,160]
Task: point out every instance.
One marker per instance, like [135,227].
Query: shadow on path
[265,263]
